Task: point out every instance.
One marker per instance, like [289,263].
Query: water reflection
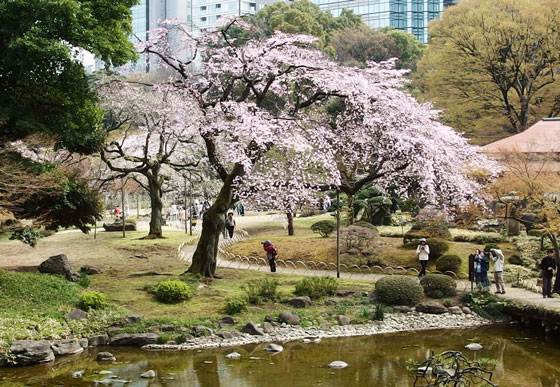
[525,359]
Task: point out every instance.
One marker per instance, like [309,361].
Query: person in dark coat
[481,266]
[271,253]
[548,265]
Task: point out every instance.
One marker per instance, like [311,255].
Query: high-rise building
[449,3]
[409,15]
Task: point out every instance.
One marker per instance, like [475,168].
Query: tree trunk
[290,216]
[154,185]
[213,224]
[350,209]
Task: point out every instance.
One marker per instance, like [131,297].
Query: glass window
[218,6]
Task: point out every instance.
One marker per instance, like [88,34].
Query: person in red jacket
[271,253]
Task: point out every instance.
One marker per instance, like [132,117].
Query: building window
[218,6]
[203,8]
[253,6]
[203,19]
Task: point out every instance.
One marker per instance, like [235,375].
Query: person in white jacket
[499,260]
[423,252]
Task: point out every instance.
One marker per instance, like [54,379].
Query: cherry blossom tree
[278,94]
[151,134]
[379,133]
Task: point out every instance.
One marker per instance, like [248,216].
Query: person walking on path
[481,266]
[423,252]
[230,224]
[499,261]
[548,265]
[271,253]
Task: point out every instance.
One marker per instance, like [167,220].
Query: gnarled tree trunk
[156,193]
[350,209]
[213,224]
[290,217]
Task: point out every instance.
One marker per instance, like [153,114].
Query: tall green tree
[43,88]
[492,65]
[302,16]
[45,96]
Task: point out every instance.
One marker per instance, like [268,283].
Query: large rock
[59,264]
[148,374]
[95,341]
[343,320]
[27,352]
[66,347]
[76,314]
[431,308]
[201,330]
[118,226]
[133,318]
[90,270]
[344,293]
[455,310]
[268,327]
[252,329]
[301,302]
[289,318]
[84,342]
[224,335]
[274,348]
[227,320]
[105,356]
[134,339]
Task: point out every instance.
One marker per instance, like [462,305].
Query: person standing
[230,224]
[271,253]
[499,261]
[423,253]
[548,265]
[481,269]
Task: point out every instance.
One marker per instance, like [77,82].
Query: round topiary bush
[93,300]
[173,291]
[448,263]
[490,246]
[324,227]
[438,247]
[398,290]
[438,285]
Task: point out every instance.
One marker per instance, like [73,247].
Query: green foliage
[449,263]
[93,300]
[302,16]
[438,285]
[84,280]
[43,89]
[398,290]
[324,227]
[485,304]
[408,49]
[379,313]
[365,313]
[438,247]
[490,246]
[447,303]
[34,295]
[236,305]
[316,287]
[362,223]
[376,206]
[173,291]
[27,235]
[260,291]
[529,251]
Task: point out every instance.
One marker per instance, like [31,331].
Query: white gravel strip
[400,322]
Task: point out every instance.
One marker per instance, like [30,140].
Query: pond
[525,358]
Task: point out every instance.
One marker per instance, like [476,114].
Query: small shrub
[324,227]
[236,305]
[365,313]
[84,280]
[173,291]
[93,300]
[379,314]
[447,303]
[164,338]
[316,287]
[265,290]
[398,290]
[490,246]
[448,263]
[365,224]
[438,247]
[438,285]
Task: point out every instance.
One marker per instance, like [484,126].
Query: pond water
[525,358]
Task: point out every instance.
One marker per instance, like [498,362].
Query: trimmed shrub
[260,291]
[93,300]
[84,280]
[365,224]
[173,291]
[438,285]
[398,290]
[316,287]
[438,247]
[449,263]
[236,305]
[490,246]
[324,228]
